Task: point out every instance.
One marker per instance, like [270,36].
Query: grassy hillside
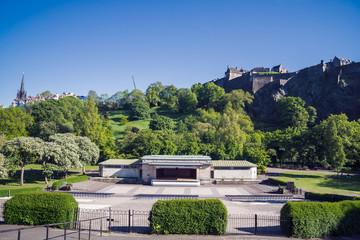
[119,130]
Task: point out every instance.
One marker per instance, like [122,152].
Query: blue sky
[77,46]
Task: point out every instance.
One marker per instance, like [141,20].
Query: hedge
[321,219]
[188,216]
[37,208]
[328,197]
[13,192]
[276,181]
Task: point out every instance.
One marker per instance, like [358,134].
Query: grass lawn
[119,130]
[324,183]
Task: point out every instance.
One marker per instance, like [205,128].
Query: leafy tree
[89,124]
[187,100]
[152,95]
[14,122]
[45,94]
[139,111]
[22,151]
[88,151]
[92,94]
[312,115]
[3,170]
[161,123]
[209,95]
[136,96]
[169,98]
[238,99]
[334,147]
[292,112]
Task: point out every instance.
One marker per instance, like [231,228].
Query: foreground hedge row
[328,197]
[321,219]
[57,184]
[188,216]
[37,208]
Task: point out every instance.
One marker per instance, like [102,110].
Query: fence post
[256,224]
[129,221]
[90,230]
[47,232]
[65,231]
[109,219]
[101,220]
[79,229]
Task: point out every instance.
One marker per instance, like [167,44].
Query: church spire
[22,94]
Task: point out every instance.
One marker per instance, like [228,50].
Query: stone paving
[206,191]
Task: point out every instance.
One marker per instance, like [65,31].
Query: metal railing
[69,228]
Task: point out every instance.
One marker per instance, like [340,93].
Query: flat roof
[176,157]
[232,163]
[121,162]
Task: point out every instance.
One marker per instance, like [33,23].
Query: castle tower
[21,95]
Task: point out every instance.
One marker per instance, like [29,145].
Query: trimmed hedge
[321,219]
[37,208]
[276,181]
[328,197]
[188,216]
[13,192]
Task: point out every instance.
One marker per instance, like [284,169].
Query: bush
[316,219]
[55,186]
[37,208]
[188,216]
[276,181]
[13,192]
[328,197]
[139,111]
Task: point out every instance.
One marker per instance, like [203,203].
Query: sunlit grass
[324,183]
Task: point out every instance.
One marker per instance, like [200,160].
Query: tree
[3,170]
[161,123]
[136,96]
[88,151]
[292,112]
[238,99]
[45,94]
[153,93]
[209,95]
[334,147]
[14,122]
[168,98]
[139,111]
[89,124]
[22,151]
[187,100]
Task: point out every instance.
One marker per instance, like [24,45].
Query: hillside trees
[89,124]
[14,122]
[3,169]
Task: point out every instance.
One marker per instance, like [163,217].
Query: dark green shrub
[55,186]
[13,192]
[276,181]
[321,219]
[328,197]
[188,216]
[36,208]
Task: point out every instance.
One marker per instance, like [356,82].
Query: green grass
[119,130]
[324,183]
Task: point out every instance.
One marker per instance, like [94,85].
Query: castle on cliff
[254,80]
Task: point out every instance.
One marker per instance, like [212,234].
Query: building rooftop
[121,162]
[176,157]
[232,163]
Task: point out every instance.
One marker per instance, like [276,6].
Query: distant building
[279,69]
[260,70]
[232,73]
[337,61]
[188,170]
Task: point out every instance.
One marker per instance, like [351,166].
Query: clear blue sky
[77,46]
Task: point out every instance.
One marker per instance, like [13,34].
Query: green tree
[89,124]
[293,113]
[162,123]
[14,122]
[187,100]
[3,169]
[45,94]
[334,147]
[209,95]
[22,151]
[139,111]
[238,99]
[136,96]
[152,95]
[168,98]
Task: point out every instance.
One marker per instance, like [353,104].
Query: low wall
[235,182]
[115,180]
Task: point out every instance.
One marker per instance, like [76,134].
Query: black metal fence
[138,222]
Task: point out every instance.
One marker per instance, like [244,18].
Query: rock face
[330,89]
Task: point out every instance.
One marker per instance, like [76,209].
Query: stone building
[184,170]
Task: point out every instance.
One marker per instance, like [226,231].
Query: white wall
[249,173]
[121,172]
